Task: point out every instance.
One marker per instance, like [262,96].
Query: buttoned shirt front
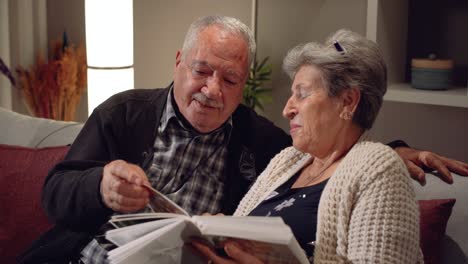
[187,166]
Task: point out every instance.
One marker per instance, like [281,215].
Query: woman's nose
[289,110]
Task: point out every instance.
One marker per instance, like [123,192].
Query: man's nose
[212,89]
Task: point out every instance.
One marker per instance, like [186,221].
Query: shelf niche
[414,29]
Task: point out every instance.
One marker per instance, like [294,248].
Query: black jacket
[124,127]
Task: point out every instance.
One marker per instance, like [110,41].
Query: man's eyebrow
[228,72]
[234,74]
[200,63]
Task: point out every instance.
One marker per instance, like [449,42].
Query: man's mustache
[201,98]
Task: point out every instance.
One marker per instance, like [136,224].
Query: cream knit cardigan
[367,212]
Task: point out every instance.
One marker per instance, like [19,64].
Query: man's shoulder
[258,135]
[139,97]
[246,119]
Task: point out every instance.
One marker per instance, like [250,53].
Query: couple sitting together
[349,197]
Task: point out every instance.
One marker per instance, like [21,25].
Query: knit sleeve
[384,224]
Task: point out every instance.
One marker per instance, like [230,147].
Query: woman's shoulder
[368,151]
[373,159]
[289,158]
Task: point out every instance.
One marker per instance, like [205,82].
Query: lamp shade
[109,48]
[109,33]
[104,83]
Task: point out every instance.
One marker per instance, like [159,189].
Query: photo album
[159,236]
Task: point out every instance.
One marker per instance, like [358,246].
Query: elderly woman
[351,198]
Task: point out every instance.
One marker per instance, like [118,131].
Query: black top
[125,127]
[298,207]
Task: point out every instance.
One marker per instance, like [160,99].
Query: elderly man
[193,141]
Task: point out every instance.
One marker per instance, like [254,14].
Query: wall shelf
[403,92]
[402,34]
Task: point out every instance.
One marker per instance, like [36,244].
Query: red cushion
[22,174]
[434,215]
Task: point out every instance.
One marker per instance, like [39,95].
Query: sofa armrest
[27,131]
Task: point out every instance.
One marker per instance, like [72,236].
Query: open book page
[124,220]
[163,245]
[160,236]
[124,235]
[272,253]
[162,240]
[268,229]
[159,203]
[267,238]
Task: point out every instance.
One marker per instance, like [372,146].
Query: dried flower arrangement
[53,89]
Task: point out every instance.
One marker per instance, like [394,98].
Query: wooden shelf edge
[403,92]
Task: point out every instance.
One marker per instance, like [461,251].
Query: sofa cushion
[28,131]
[456,250]
[22,174]
[434,215]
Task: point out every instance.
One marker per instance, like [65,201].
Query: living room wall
[159,30]
[281,25]
[155,46]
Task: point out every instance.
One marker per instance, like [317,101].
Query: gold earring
[347,115]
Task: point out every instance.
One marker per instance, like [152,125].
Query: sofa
[436,196]
[30,146]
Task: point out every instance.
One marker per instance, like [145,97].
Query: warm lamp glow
[104,83]
[109,33]
[109,48]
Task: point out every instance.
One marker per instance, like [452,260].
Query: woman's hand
[232,249]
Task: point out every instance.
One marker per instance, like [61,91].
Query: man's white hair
[229,24]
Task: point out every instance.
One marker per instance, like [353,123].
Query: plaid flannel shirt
[188,167]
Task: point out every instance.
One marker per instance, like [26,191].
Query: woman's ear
[350,98]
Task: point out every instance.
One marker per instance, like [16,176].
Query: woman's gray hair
[346,60]
[229,24]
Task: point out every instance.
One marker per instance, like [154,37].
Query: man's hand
[419,161]
[232,249]
[122,187]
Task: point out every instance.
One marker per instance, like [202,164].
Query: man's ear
[350,98]
[178,58]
